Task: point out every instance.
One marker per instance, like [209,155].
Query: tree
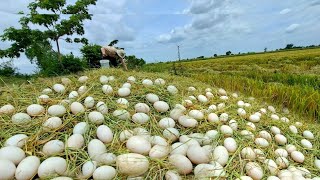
[92,54]
[134,63]
[215,55]
[114,42]
[61,21]
[289,46]
[228,53]
[265,49]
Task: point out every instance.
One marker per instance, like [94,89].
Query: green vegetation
[290,78]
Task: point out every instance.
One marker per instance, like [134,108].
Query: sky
[152,29]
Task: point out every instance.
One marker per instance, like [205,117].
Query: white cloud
[285,11]
[292,28]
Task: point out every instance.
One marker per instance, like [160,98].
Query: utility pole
[179,52]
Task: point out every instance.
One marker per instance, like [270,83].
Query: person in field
[114,55]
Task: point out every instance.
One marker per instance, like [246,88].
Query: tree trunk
[58,48]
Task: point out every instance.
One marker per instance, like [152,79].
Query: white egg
[88,168]
[52,166]
[111,78]
[187,122]
[222,92]
[250,126]
[7,169]
[181,163]
[263,111]
[27,168]
[147,82]
[107,89]
[142,107]
[196,114]
[180,106]
[297,156]
[46,91]
[261,142]
[75,141]
[224,117]
[285,174]
[285,120]
[140,118]
[152,98]
[317,163]
[124,103]
[233,124]
[265,135]
[226,130]
[247,134]
[44,99]
[171,134]
[176,113]
[281,153]
[105,173]
[212,134]
[240,104]
[57,110]
[282,162]
[290,148]
[104,133]
[212,107]
[158,140]
[244,178]
[18,140]
[124,92]
[125,135]
[272,166]
[102,107]
[96,148]
[192,98]
[293,129]
[299,124]
[83,79]
[254,118]
[259,154]
[159,81]
[82,90]
[213,118]
[211,171]
[308,135]
[248,153]
[272,109]
[52,123]
[161,106]
[166,123]
[274,117]
[220,155]
[172,175]
[142,132]
[230,144]
[138,144]
[20,118]
[96,117]
[241,112]
[224,98]
[280,139]
[7,109]
[159,152]
[132,164]
[202,99]
[73,94]
[89,102]
[191,89]
[81,128]
[306,144]
[107,158]
[198,155]
[275,130]
[13,154]
[131,79]
[254,170]
[53,147]
[77,108]
[179,148]
[59,88]
[126,85]
[103,79]
[172,89]
[247,105]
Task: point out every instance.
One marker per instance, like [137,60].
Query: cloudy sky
[152,29]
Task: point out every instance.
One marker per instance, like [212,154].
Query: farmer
[114,54]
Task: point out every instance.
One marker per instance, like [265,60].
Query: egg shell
[20,118]
[89,102]
[7,169]
[96,117]
[212,107]
[280,139]
[159,81]
[96,148]
[254,170]
[196,114]
[172,175]
[226,130]
[221,155]
[290,148]
[282,162]
[125,135]
[181,163]
[265,135]
[261,142]
[272,166]
[159,152]
[161,106]
[308,135]
[18,140]
[166,123]
[213,118]
[105,173]
[81,128]
[233,124]
[176,113]
[107,89]
[46,91]
[102,108]
[124,103]
[131,79]
[209,95]
[82,90]
[191,89]
[281,153]
[179,148]
[198,155]
[204,171]
[248,153]
[172,134]
[52,166]
[88,168]
[254,118]
[27,168]
[140,118]
[7,109]
[77,108]
[212,134]
[53,147]
[306,144]
[147,82]
[247,134]
[230,144]
[132,164]
[44,99]
[221,106]
[152,98]
[103,79]
[297,156]
[12,153]
[75,141]
[187,122]
[107,159]
[274,117]
[73,94]
[158,140]
[275,130]
[271,109]
[202,99]
[104,133]
[285,174]
[142,132]
[250,126]
[224,117]
[293,129]
[241,112]
[59,88]
[57,110]
[222,92]
[83,79]
[126,85]
[142,107]
[52,123]
[172,89]
[124,92]
[138,144]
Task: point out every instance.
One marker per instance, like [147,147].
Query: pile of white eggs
[236,133]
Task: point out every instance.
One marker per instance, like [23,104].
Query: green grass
[289,79]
